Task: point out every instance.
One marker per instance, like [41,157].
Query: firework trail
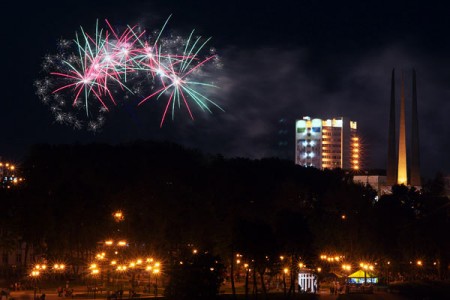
[95,72]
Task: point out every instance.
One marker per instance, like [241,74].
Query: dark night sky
[281,59]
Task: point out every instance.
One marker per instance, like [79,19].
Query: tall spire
[415,153]
[391,173]
[402,176]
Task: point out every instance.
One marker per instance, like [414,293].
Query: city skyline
[284,61]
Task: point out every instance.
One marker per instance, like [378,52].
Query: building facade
[327,144]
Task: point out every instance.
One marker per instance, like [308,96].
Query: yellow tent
[362,276]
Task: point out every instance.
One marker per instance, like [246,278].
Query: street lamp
[132,268]
[149,269]
[247,273]
[366,267]
[35,274]
[94,273]
[100,256]
[118,216]
[346,267]
[419,264]
[59,269]
[40,267]
[156,272]
[120,269]
[388,264]
[285,271]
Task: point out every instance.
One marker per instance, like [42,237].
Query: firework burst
[176,73]
[95,72]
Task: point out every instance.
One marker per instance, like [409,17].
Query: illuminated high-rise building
[327,144]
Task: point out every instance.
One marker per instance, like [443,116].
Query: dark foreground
[423,290]
[276,296]
[323,296]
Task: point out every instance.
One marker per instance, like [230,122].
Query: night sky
[281,60]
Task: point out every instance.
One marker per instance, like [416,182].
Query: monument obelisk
[402,172]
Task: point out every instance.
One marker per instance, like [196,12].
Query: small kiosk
[362,277]
[361,282]
[307,281]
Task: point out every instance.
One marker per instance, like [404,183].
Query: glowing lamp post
[59,269]
[118,216]
[35,274]
[120,269]
[94,273]
[149,269]
[40,267]
[346,267]
[285,271]
[156,272]
[366,267]
[419,264]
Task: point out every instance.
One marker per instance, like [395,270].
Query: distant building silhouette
[283,147]
[375,179]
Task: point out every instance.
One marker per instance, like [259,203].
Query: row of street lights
[336,262]
[39,269]
[149,265]
[337,259]
[110,261]
[116,263]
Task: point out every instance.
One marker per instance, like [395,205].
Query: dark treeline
[172,197]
